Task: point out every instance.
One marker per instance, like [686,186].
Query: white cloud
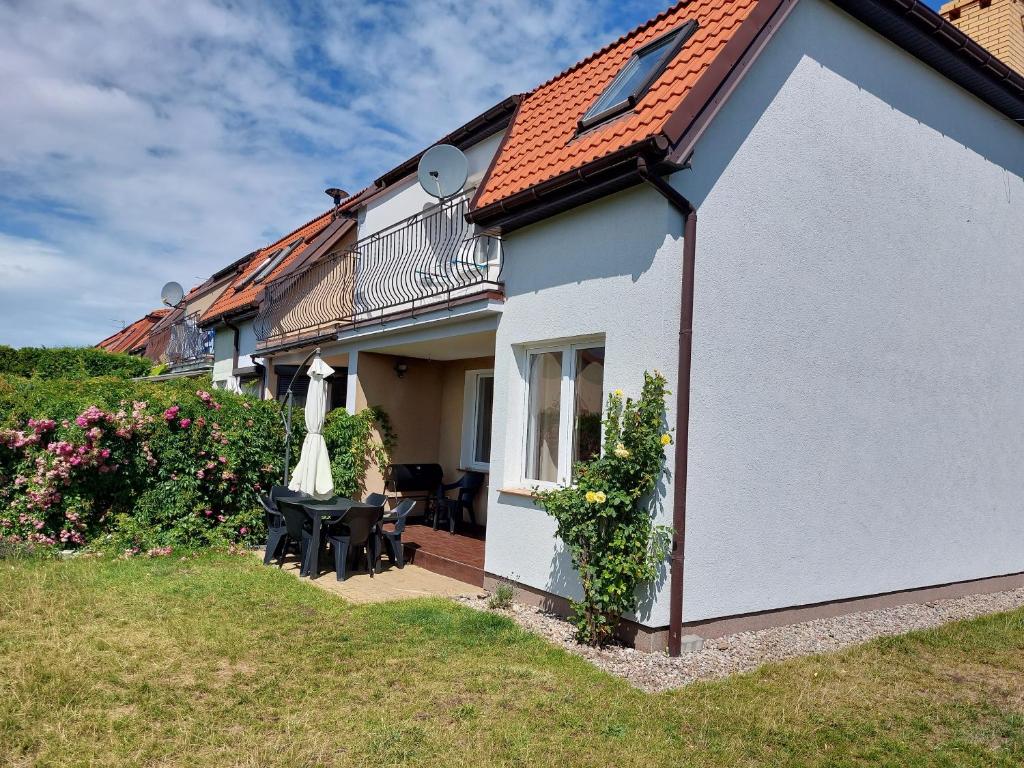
[145,142]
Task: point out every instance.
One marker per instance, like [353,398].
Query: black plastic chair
[358,529]
[468,485]
[376,499]
[393,538]
[298,529]
[272,516]
[276,530]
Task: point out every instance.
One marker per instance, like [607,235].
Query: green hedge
[143,465]
[69,363]
[138,464]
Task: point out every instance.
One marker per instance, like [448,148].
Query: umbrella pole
[288,435]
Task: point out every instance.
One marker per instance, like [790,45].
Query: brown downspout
[680,203]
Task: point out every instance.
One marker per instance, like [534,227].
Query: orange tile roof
[542,142]
[234,299]
[134,336]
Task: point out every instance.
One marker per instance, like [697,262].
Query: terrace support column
[353,382]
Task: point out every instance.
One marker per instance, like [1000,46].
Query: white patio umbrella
[313,473]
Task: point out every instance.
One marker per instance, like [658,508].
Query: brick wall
[998,25]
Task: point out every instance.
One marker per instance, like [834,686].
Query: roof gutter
[682,443]
[918,29]
[596,179]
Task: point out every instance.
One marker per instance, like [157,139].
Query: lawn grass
[220,661]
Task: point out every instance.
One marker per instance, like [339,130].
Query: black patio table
[331,511]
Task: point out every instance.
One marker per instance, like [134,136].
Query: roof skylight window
[275,260]
[252,275]
[639,73]
[269,264]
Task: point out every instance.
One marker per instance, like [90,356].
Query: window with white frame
[478,404]
[564,398]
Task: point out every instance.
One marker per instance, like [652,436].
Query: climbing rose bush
[605,516]
[143,466]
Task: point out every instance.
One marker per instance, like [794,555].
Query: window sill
[515,491]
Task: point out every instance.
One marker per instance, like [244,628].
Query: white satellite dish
[172,294]
[443,170]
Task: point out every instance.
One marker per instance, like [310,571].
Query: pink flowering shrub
[143,465]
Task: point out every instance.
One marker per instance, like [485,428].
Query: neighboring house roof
[243,293]
[546,164]
[133,338]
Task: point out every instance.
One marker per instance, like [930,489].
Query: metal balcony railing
[183,342]
[429,259]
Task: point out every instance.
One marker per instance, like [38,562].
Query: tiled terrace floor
[391,584]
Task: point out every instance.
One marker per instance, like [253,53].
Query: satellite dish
[443,170]
[172,294]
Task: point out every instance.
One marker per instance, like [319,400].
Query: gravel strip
[745,651]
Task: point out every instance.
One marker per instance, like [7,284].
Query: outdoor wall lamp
[400,368]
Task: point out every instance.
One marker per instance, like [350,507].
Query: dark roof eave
[920,31]
[473,132]
[603,176]
[244,312]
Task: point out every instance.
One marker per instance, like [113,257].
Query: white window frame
[469,417]
[566,410]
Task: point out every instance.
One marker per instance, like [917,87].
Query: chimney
[996,25]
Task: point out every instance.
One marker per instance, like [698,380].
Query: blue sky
[155,141]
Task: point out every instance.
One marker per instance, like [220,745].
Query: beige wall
[425,408]
[201,303]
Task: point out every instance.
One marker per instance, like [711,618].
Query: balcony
[183,343]
[429,261]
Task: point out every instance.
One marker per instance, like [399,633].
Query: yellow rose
[591,497]
[666,439]
[599,497]
[621,451]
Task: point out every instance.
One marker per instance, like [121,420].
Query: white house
[809,215]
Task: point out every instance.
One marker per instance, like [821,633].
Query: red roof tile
[542,142]
[240,296]
[135,336]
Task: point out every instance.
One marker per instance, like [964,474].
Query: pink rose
[185,423]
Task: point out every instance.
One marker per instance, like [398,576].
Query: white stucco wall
[857,421]
[246,344]
[407,198]
[612,267]
[223,350]
[223,354]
